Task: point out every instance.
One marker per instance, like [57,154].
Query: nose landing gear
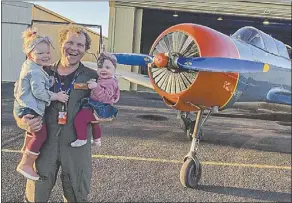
[187,125]
[191,170]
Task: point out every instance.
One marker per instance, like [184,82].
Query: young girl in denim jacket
[104,93]
[32,94]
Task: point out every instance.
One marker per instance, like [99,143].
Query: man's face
[73,48]
[107,70]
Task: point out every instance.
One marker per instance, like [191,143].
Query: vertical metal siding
[123,37]
[16,16]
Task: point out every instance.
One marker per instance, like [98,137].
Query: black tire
[190,173]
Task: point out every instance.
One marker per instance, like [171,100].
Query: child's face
[41,54]
[107,70]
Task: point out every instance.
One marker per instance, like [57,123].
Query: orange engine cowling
[187,90]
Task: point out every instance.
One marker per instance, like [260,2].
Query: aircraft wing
[279,95]
[136,78]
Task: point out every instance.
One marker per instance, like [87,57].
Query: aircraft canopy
[261,40]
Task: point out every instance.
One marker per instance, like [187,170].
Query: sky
[90,12]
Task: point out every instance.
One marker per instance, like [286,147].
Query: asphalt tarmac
[243,159]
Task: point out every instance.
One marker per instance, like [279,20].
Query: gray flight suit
[57,151]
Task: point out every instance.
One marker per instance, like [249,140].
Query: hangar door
[16,17]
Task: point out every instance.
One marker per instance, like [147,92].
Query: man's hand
[92,84]
[34,124]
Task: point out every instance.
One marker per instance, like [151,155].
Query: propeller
[221,65]
[133,59]
[208,64]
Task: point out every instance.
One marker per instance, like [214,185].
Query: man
[57,152]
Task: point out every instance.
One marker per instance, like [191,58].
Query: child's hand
[62,97]
[92,84]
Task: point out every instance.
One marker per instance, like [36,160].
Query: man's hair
[74,29]
[106,56]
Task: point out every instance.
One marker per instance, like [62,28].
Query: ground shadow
[248,193]
[225,136]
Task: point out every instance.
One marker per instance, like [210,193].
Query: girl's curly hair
[106,56]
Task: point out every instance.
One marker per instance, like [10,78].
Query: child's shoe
[96,142]
[78,143]
[25,167]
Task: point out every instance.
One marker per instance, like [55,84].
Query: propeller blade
[222,65]
[133,59]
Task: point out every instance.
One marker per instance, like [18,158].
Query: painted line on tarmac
[212,163]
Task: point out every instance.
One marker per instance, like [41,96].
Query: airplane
[195,68]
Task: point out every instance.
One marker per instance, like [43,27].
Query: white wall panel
[16,16]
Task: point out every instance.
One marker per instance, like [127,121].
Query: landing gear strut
[187,124]
[191,170]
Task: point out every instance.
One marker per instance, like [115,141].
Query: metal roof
[280,9]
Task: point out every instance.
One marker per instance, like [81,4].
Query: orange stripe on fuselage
[209,88]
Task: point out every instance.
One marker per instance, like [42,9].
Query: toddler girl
[32,95]
[104,93]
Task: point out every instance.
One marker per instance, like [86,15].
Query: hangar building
[134,25]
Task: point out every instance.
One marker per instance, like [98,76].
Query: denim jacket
[32,88]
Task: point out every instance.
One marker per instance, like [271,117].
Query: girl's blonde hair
[31,38]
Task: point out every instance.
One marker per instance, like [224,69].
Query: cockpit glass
[251,36]
[282,49]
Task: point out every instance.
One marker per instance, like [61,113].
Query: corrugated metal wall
[16,17]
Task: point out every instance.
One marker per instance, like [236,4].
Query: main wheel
[190,173]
